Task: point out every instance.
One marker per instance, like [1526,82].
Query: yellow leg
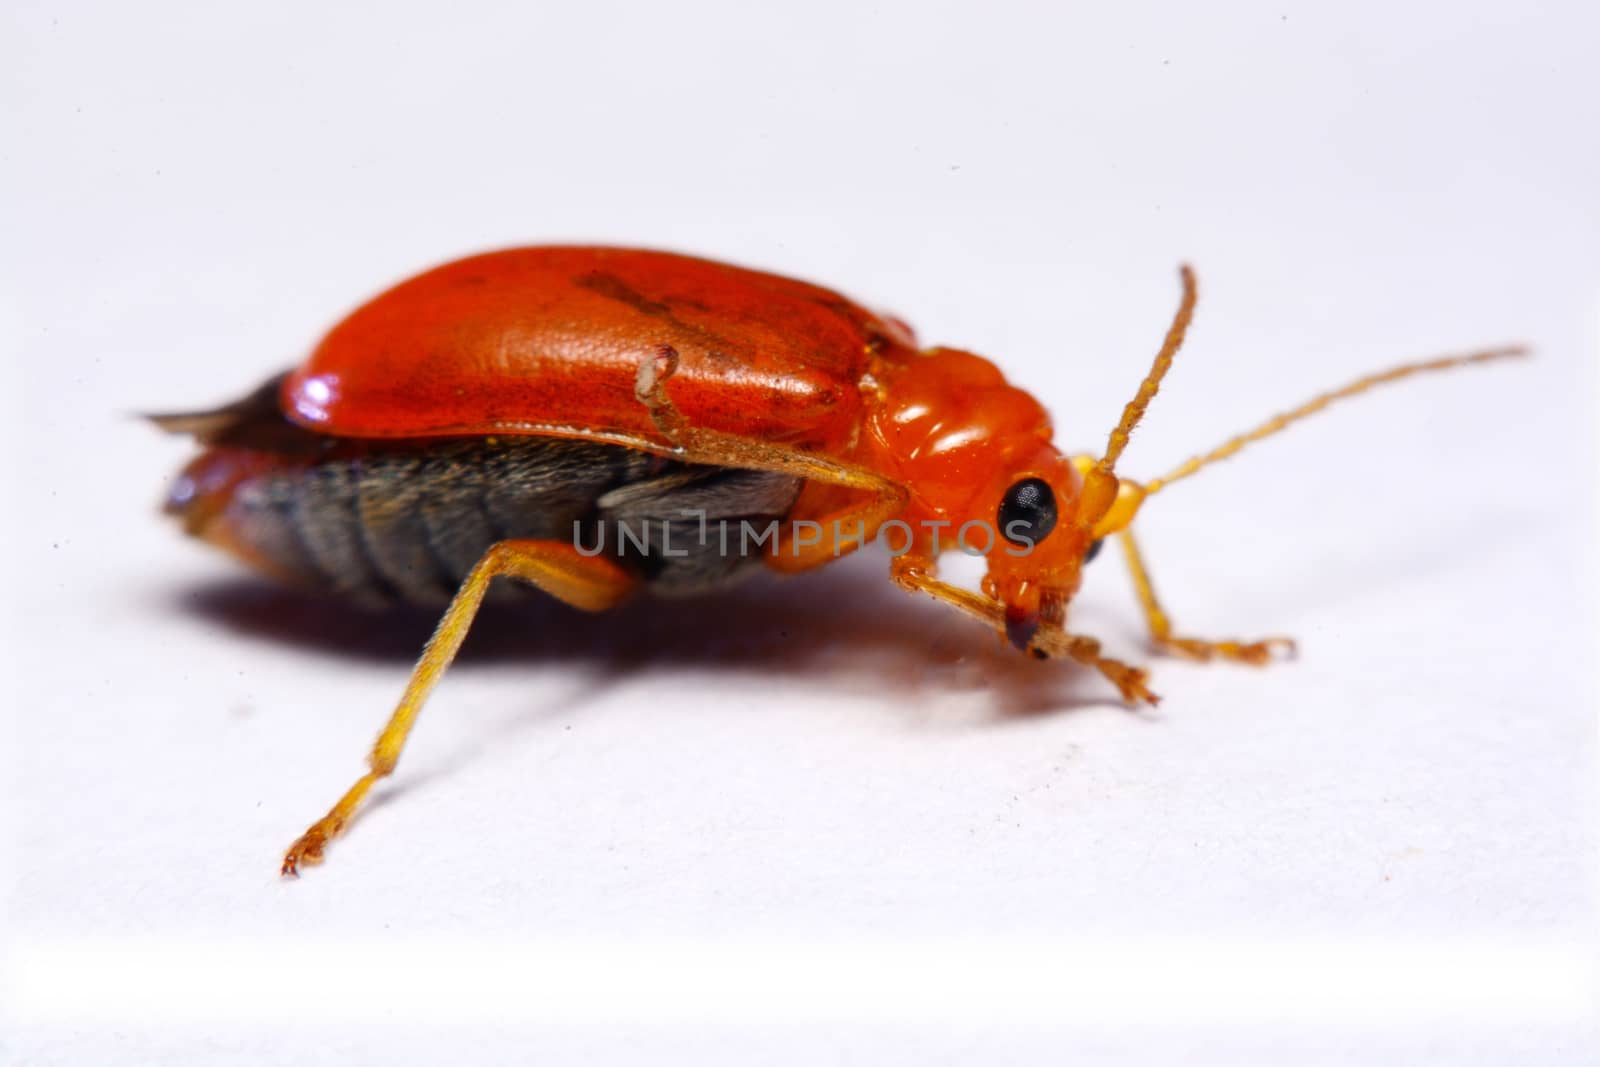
[842,530]
[915,575]
[1256,653]
[591,583]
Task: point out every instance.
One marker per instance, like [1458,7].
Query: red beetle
[584,418]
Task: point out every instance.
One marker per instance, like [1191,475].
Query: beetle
[504,414]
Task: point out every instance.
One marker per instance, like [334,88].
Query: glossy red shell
[548,341]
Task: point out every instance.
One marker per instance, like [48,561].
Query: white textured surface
[1383,852]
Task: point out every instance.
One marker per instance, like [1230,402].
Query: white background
[815,820]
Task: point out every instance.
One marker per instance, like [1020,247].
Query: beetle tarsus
[1254,653]
[306,851]
[1134,689]
[1130,681]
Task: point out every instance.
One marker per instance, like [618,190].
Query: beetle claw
[1131,682]
[307,850]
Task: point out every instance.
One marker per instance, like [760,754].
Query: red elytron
[502,414]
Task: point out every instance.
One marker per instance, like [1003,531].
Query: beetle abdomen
[408,526]
[406,520]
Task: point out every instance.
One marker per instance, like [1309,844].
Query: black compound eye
[1028,512]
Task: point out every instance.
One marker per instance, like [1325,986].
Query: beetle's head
[1049,515]
[1052,512]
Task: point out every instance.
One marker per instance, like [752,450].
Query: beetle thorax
[946,424]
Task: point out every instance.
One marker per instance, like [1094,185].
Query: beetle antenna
[1158,370]
[1317,403]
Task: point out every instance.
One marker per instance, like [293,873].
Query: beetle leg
[841,531]
[916,575]
[1256,653]
[592,583]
